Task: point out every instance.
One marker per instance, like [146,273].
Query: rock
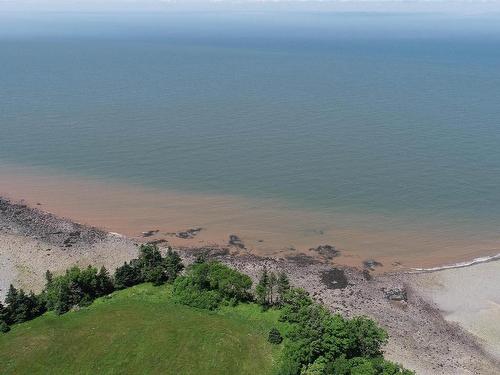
[150,233]
[371,264]
[395,294]
[326,251]
[234,240]
[302,260]
[188,234]
[367,276]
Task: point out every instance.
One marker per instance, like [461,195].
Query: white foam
[461,264]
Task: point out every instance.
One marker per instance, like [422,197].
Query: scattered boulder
[150,233]
[395,294]
[367,276]
[188,234]
[371,264]
[326,251]
[234,240]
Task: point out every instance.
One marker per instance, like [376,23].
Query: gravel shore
[33,241]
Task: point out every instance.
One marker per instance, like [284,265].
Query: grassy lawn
[139,331]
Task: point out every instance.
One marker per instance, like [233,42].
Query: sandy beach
[439,322]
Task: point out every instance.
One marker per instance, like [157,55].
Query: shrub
[207,285]
[4,327]
[189,294]
[274,336]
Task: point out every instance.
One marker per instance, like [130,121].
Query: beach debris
[395,294]
[326,251]
[234,240]
[334,278]
[150,233]
[371,264]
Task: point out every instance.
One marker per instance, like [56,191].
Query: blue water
[388,114]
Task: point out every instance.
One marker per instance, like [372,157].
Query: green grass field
[140,331]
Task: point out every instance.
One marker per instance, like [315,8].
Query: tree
[12,296]
[48,278]
[283,286]
[126,276]
[262,289]
[149,260]
[21,306]
[104,282]
[77,287]
[4,327]
[172,264]
[367,337]
[272,283]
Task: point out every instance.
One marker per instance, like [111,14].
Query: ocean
[377,134]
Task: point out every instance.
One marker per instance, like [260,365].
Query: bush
[274,336]
[207,285]
[189,294]
[4,327]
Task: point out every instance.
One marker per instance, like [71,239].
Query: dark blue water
[389,114]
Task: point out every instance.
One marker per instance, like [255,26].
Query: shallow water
[379,135]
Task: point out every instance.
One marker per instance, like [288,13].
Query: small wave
[461,264]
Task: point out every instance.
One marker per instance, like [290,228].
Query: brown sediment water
[266,227]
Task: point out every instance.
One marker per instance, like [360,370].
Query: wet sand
[469,296]
[267,228]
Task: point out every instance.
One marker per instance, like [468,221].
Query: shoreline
[266,227]
[32,241]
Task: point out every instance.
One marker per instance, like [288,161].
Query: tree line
[79,287]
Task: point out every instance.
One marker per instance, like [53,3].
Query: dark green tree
[149,261]
[104,283]
[4,327]
[367,338]
[48,277]
[172,265]
[283,286]
[127,276]
[273,280]
[274,336]
[262,289]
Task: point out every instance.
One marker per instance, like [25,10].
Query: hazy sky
[466,6]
